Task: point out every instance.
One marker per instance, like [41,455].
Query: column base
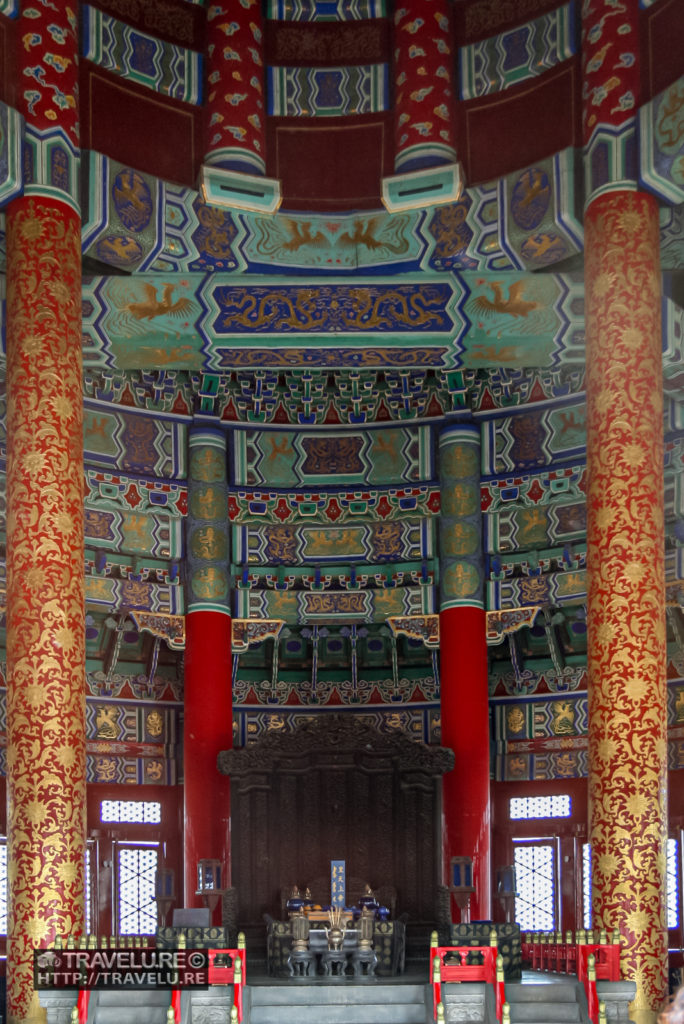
[642,1016]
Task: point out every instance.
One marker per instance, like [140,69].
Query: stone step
[540,1013]
[141,1014]
[133,1007]
[358,1013]
[464,1005]
[366,1003]
[544,1003]
[130,997]
[305,992]
[465,992]
[553,992]
[203,1007]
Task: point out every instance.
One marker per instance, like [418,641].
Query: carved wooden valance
[335,741]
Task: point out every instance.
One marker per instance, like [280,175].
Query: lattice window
[88,884]
[535,875]
[137,910]
[138,812]
[586,886]
[3,885]
[540,806]
[672,873]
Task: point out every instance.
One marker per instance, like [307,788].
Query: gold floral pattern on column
[627,694]
[45,588]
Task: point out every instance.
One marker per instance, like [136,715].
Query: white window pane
[540,806]
[586,886]
[88,887]
[137,906]
[141,812]
[3,886]
[535,875]
[672,884]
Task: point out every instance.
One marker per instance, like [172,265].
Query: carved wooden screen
[335,790]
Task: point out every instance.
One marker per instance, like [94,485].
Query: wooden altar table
[389,943]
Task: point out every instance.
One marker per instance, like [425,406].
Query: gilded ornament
[460,499]
[210,583]
[563,718]
[532,526]
[387,540]
[459,461]
[570,583]
[282,545]
[388,603]
[154,723]
[534,590]
[461,580]
[105,769]
[209,542]
[208,503]
[515,719]
[154,770]
[106,721]
[207,465]
[458,539]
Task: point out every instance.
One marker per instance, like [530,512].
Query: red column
[626,581]
[208,722]
[625,514]
[235,121]
[465,728]
[45,588]
[424,104]
[45,576]
[207,731]
[463,663]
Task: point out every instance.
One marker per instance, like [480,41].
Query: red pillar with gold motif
[235,122]
[45,580]
[208,722]
[626,580]
[463,663]
[424,104]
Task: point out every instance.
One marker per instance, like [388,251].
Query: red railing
[589,982]
[606,961]
[450,964]
[576,954]
[82,1005]
[551,951]
[226,967]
